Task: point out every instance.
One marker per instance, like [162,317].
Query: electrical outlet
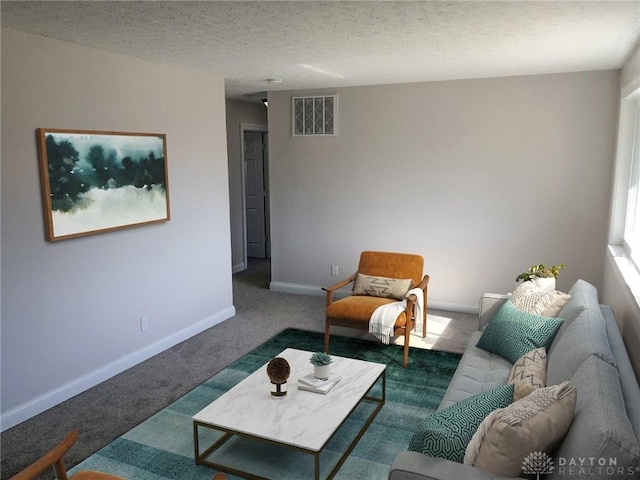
[144,323]
[334,270]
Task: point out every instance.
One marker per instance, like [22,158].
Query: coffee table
[303,421]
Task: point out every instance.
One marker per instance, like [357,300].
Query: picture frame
[100,181]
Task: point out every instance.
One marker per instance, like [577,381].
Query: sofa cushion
[508,435]
[529,373]
[447,432]
[381,286]
[477,371]
[586,335]
[583,295]
[628,379]
[601,432]
[511,332]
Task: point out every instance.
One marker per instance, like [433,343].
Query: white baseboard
[314,290]
[454,307]
[296,288]
[64,392]
[238,267]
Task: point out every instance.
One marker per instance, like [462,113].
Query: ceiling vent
[314,115]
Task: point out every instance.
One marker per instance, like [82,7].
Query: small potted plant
[542,276]
[321,362]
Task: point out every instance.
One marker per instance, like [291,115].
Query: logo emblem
[537,463]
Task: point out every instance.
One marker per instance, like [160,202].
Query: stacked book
[317,385]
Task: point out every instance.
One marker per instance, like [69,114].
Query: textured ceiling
[311,44]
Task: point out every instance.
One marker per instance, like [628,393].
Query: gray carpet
[112,408]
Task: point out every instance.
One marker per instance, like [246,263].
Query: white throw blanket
[384,317]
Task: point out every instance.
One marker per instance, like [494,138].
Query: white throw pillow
[385,287]
[531,299]
[559,300]
[536,423]
[529,373]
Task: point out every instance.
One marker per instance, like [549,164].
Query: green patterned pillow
[446,433]
[511,332]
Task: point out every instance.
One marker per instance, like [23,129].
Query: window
[624,236]
[314,115]
[632,220]
[626,219]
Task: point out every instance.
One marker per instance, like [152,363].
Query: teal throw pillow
[511,332]
[446,433]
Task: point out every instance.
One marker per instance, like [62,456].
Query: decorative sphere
[278,370]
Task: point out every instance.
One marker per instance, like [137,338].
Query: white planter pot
[321,371]
[545,283]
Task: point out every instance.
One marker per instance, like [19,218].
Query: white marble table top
[301,419]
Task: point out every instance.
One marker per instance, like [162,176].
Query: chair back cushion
[392,265]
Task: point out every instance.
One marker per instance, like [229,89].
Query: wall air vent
[313,116]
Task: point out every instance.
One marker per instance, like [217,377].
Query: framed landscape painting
[94,181]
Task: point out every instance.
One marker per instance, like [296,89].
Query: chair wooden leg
[424,325]
[408,328]
[60,469]
[405,354]
[327,329]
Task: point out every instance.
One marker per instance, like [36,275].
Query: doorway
[255,174]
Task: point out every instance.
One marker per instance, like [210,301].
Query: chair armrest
[337,286]
[411,299]
[490,303]
[423,284]
[54,457]
[417,466]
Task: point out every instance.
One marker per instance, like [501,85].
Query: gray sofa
[603,442]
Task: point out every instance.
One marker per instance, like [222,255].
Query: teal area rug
[162,446]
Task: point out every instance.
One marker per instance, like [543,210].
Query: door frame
[252,127]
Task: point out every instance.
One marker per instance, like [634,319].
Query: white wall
[631,69]
[71,309]
[616,292]
[239,112]
[481,177]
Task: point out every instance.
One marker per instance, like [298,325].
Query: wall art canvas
[94,181]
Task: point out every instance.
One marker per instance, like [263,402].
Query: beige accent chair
[355,311]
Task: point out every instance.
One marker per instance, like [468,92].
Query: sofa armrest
[417,466]
[490,303]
